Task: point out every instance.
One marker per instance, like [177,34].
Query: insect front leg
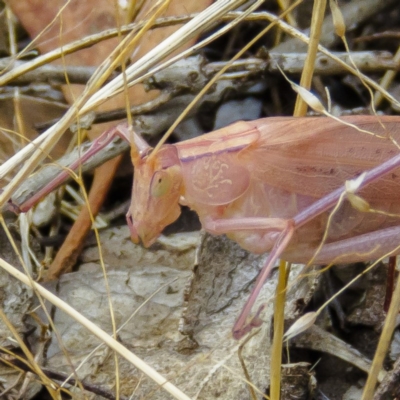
[98,144]
[257,244]
[278,233]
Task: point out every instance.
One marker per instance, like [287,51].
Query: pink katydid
[269,184]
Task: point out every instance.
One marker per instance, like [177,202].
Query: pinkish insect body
[251,179]
[249,182]
[269,185]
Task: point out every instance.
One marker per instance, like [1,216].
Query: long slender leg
[388,239]
[220,226]
[367,247]
[102,141]
[329,201]
[241,326]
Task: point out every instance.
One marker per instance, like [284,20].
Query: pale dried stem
[103,336]
[299,35]
[312,49]
[318,339]
[46,381]
[353,14]
[277,342]
[387,80]
[383,345]
[87,101]
[20,68]
[190,30]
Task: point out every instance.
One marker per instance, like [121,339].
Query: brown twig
[72,246]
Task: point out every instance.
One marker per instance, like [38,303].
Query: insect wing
[314,156]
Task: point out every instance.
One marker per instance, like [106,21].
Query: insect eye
[160,184]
